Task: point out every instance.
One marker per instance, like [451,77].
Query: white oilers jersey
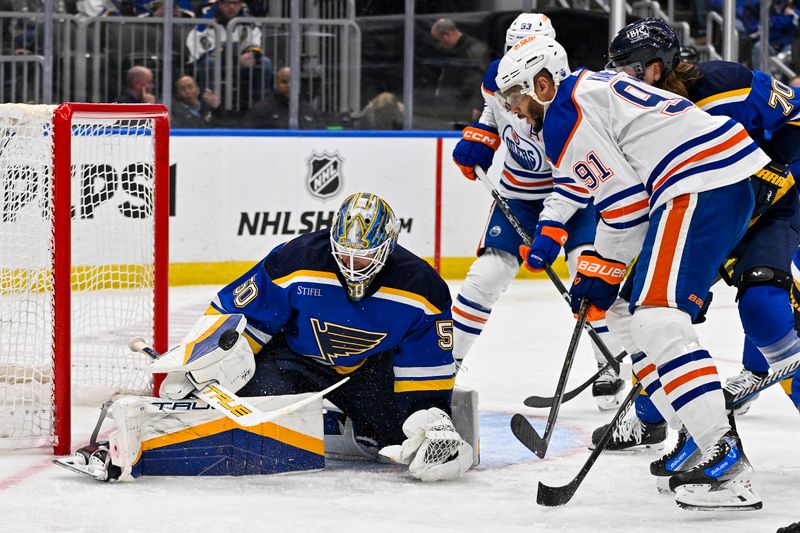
[526,174]
[633,148]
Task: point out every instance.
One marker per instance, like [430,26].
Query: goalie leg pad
[188,438]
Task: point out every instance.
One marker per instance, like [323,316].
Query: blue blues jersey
[768,109]
[297,290]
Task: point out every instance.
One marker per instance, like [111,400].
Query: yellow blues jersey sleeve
[526,174]
[632,148]
[768,109]
[298,290]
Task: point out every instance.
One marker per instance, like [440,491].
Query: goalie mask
[640,43]
[528,24]
[363,234]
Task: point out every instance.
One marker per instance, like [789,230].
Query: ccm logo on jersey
[476,135]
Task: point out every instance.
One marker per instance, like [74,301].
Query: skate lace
[627,428]
[738,383]
[607,374]
[711,454]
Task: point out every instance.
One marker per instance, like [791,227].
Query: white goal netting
[112,264]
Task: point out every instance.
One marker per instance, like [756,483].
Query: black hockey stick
[514,221]
[554,496]
[520,426]
[541,401]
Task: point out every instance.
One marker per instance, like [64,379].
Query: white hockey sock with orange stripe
[488,277]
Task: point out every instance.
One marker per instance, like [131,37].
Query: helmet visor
[511,97]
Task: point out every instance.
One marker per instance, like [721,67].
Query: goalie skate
[608,389]
[92,461]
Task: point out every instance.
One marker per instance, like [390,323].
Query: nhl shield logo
[324,179]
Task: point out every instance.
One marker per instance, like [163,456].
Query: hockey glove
[597,280]
[433,450]
[476,147]
[548,239]
[767,183]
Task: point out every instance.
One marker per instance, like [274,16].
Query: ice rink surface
[519,354]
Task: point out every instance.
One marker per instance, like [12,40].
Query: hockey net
[83,237]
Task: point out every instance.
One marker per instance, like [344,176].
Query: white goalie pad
[187,438]
[466,419]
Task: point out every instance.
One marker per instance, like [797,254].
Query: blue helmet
[363,234]
[640,43]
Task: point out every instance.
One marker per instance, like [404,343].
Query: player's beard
[533,112]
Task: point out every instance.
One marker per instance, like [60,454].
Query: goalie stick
[520,426]
[514,221]
[541,401]
[554,496]
[227,402]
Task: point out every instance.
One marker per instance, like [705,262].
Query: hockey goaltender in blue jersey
[299,294]
[348,301]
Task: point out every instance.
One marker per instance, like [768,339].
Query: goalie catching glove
[433,450]
[476,147]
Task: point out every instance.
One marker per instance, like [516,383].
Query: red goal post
[105,198]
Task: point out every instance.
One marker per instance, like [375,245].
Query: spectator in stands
[190,109]
[138,86]
[273,111]
[180,9]
[463,69]
[783,20]
[255,67]
[384,112]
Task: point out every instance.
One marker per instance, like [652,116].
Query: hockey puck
[228,339]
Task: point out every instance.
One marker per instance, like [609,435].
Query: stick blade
[538,401]
[527,435]
[548,496]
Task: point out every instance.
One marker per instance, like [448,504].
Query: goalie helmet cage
[84,197]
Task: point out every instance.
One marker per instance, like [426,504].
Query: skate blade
[639,448]
[732,496]
[94,472]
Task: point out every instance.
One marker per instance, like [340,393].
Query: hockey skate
[721,481]
[682,457]
[92,460]
[740,382]
[631,433]
[608,389]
